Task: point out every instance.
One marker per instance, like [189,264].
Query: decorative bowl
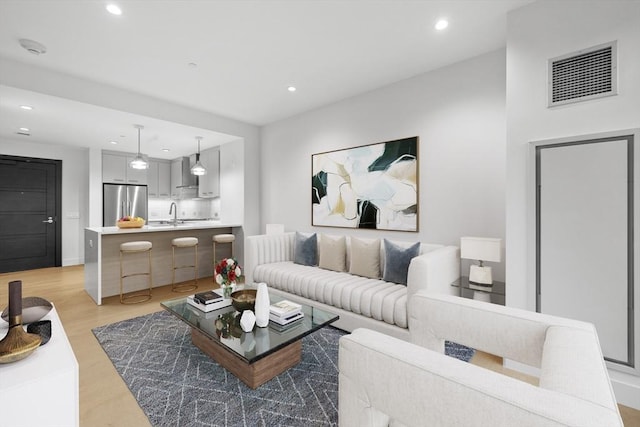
[244,299]
[33,309]
[130,224]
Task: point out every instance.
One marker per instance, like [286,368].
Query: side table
[494,294]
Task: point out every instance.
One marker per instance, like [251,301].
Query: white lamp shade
[481,248]
[198,169]
[139,163]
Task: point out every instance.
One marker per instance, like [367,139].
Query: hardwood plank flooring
[105,400]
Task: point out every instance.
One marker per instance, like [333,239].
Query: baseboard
[72,261]
[626,388]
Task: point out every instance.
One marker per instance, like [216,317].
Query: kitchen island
[102,255]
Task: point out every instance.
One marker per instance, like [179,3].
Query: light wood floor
[105,400]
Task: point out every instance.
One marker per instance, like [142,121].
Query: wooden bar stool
[184,242]
[131,248]
[220,239]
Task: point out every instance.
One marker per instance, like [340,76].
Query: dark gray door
[30,194]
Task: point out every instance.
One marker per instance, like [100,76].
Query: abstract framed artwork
[373,186]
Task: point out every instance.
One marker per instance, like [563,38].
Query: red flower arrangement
[227,272]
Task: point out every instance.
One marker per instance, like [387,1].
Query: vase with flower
[228,272]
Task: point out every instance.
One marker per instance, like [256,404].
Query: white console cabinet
[41,390]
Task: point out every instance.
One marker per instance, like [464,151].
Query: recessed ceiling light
[26,107]
[166,150]
[24,129]
[291,89]
[33,46]
[442,24]
[113,142]
[114,9]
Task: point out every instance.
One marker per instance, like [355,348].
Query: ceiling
[231,58]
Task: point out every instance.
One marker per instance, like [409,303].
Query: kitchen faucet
[174,208]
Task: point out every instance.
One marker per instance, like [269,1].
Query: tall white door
[585,238]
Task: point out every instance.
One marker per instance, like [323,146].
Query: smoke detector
[33,46]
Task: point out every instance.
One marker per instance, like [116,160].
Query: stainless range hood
[188,180]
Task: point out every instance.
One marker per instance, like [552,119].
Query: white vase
[248,320]
[262,305]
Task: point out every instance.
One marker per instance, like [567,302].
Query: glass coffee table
[254,357]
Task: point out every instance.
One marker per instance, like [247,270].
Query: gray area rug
[176,384]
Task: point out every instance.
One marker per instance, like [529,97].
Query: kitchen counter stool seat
[184,242]
[132,248]
[220,239]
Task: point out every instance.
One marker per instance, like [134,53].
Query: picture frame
[374,186]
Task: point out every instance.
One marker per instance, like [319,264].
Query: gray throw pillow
[306,250]
[397,260]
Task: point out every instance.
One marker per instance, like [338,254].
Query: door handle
[50,220]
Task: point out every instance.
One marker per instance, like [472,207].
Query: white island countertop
[151,228]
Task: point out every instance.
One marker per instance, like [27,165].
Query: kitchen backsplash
[187,209]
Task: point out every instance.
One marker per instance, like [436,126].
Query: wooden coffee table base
[254,374]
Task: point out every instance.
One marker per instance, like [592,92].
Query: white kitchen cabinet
[152,182]
[164,179]
[209,184]
[176,178]
[115,169]
[159,179]
[135,176]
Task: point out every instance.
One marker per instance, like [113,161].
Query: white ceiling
[247,54]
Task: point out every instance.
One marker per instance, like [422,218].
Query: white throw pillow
[333,252]
[365,258]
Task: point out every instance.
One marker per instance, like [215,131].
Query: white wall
[237,195]
[75,190]
[536,33]
[458,112]
[232,184]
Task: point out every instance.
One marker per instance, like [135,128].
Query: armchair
[388,382]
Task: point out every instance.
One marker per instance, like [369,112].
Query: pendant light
[198,169]
[138,162]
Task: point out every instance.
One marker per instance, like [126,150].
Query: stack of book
[285,312]
[209,300]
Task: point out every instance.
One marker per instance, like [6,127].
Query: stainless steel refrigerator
[119,200]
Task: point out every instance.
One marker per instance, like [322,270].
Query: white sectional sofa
[359,301]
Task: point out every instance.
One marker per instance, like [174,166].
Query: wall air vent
[583,75]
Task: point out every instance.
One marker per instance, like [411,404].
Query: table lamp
[481,249]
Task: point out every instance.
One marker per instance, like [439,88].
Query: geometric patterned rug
[177,385]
